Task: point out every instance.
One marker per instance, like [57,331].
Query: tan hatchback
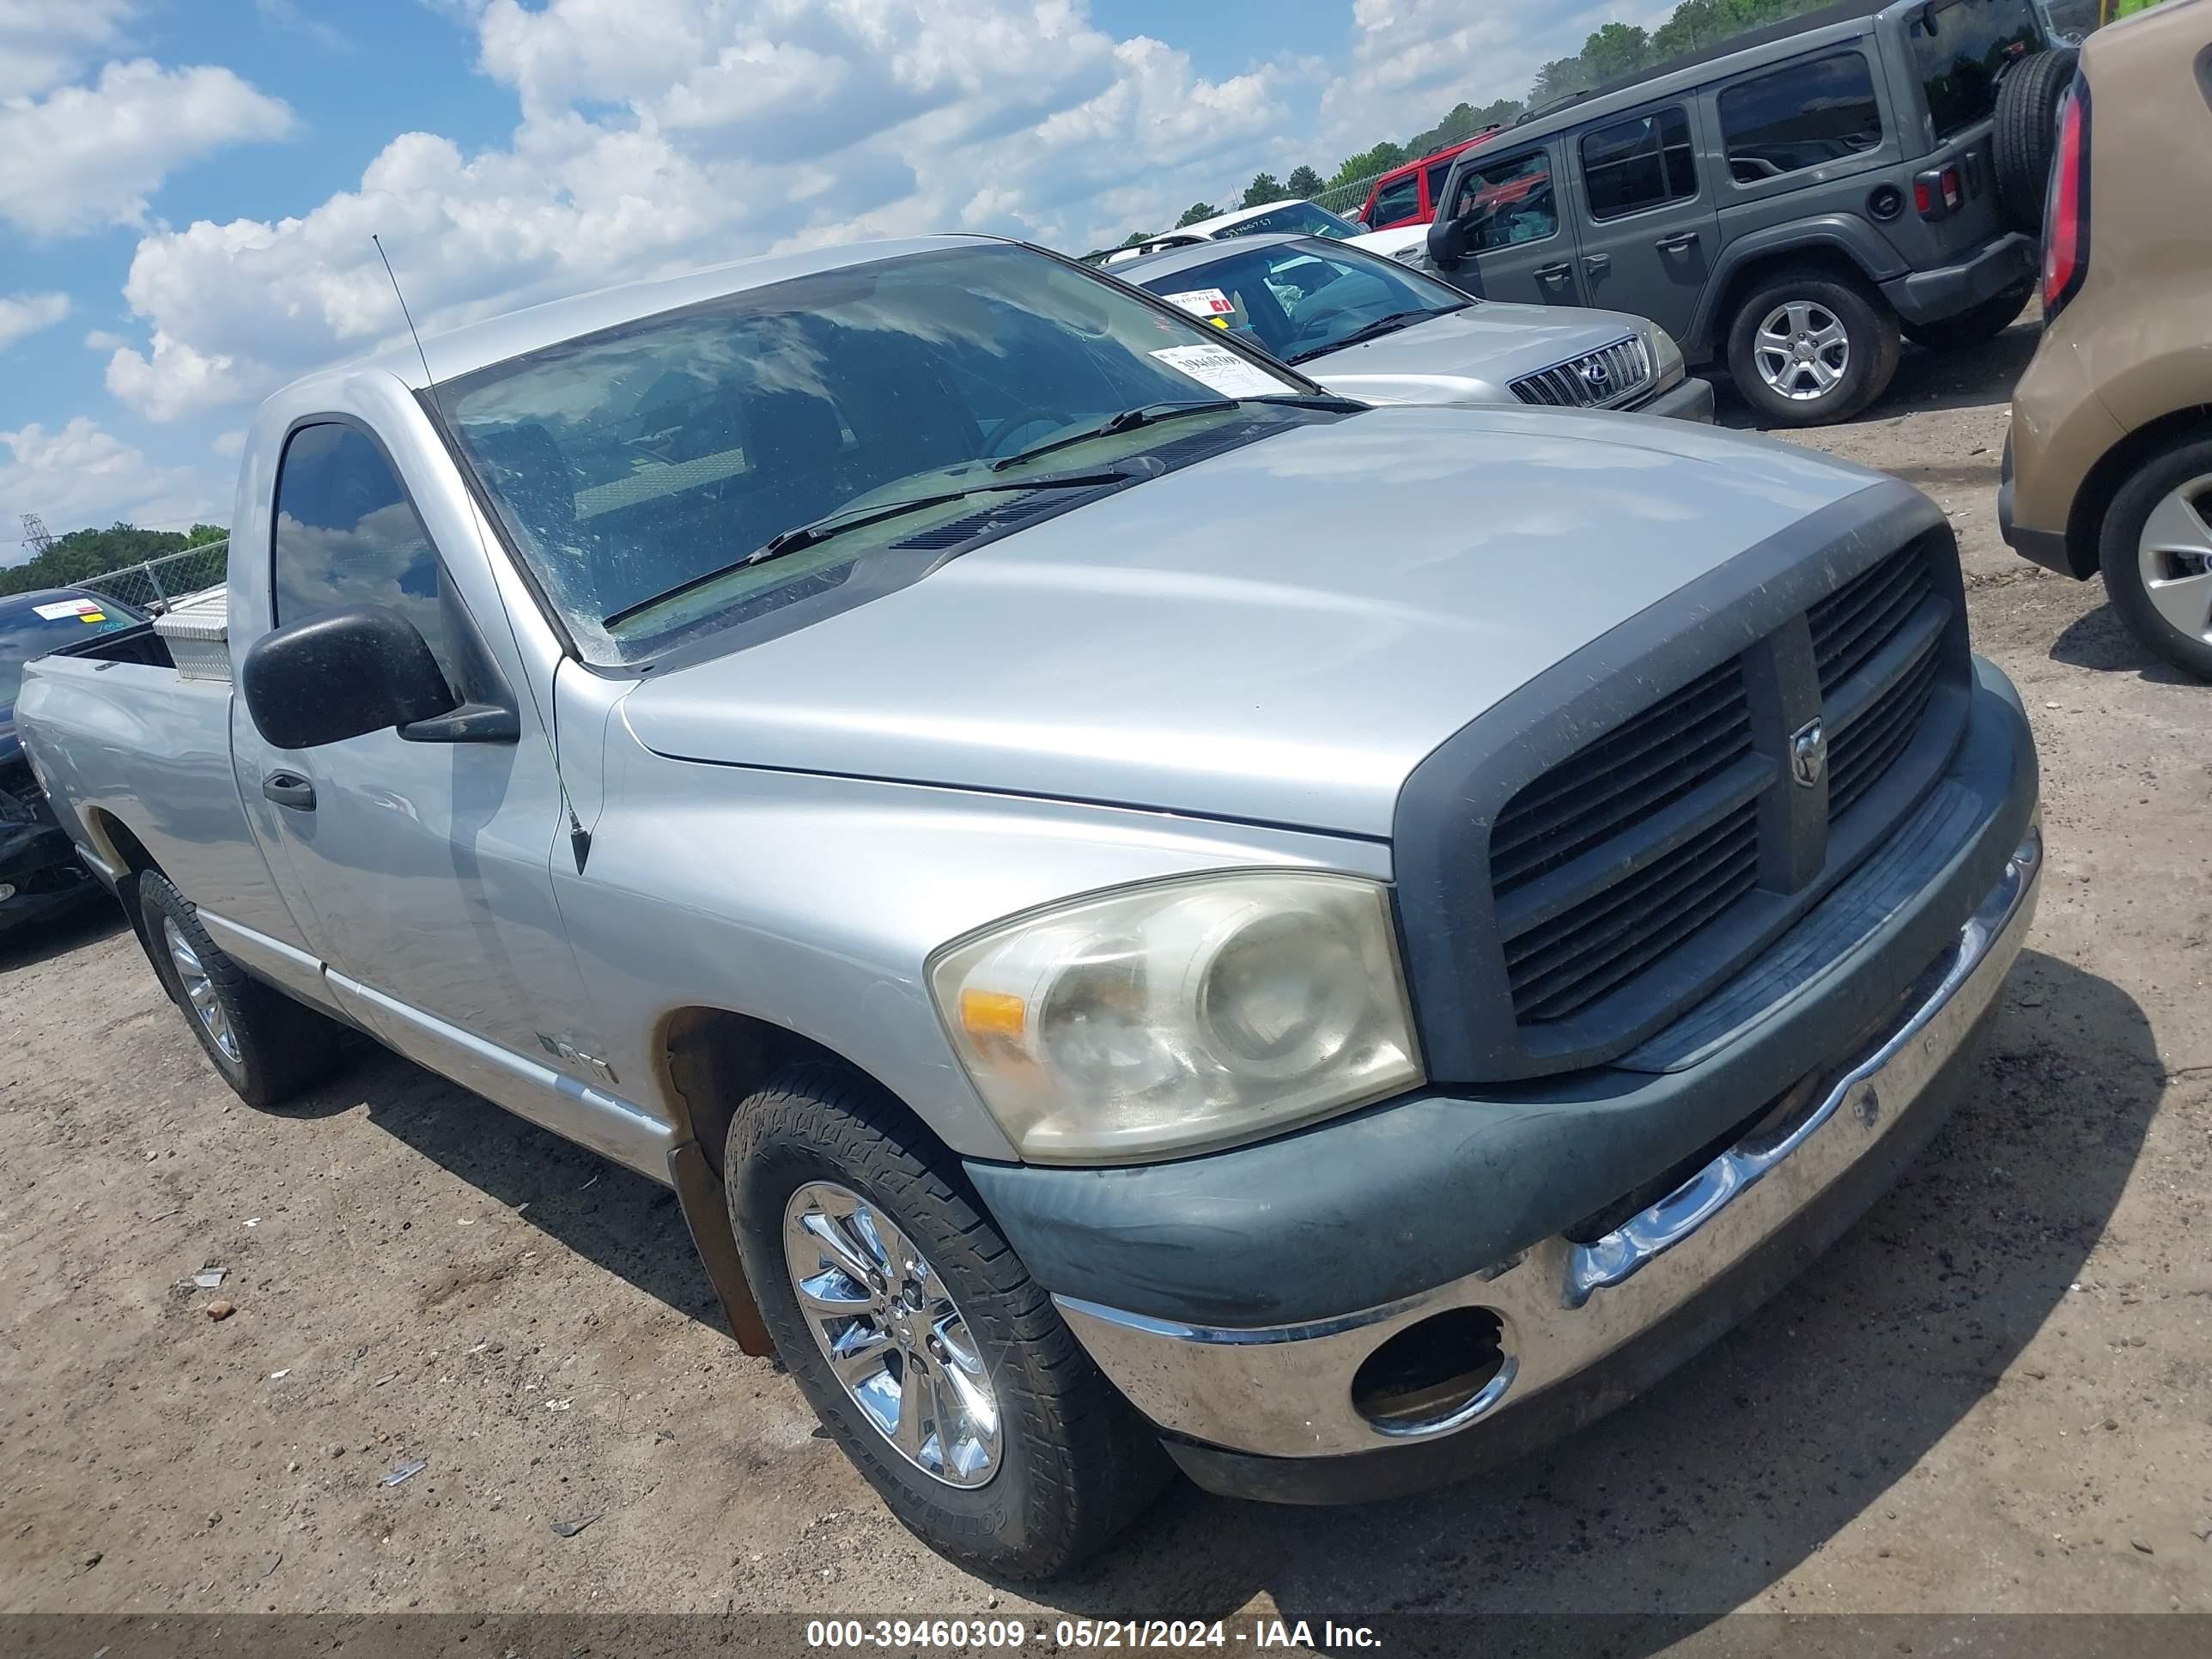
[2109,466]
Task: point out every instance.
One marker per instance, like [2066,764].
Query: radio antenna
[580,839]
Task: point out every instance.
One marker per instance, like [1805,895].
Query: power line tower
[36,536]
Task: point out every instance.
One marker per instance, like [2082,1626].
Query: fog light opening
[1435,1375]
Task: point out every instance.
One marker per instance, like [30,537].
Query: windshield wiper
[1128,420]
[1380,325]
[814,534]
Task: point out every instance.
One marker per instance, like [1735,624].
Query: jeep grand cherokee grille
[1610,375]
[1607,864]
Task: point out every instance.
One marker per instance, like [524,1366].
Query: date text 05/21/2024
[899,1635]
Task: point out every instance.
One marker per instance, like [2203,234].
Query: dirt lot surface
[1995,1395]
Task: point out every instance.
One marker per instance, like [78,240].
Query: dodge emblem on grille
[1808,754]
[1597,377]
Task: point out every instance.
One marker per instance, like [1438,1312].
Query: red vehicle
[1407,195]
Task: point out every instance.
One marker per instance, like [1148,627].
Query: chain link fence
[160,583]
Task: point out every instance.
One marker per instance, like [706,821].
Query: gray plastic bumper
[1928,296]
[1285,1392]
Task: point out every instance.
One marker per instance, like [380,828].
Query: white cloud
[660,134]
[26,313]
[175,378]
[655,135]
[286,15]
[230,444]
[1412,60]
[44,43]
[85,156]
[101,339]
[85,475]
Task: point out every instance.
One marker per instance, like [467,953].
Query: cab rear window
[1963,49]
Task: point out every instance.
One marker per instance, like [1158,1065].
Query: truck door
[1520,246]
[1652,225]
[421,870]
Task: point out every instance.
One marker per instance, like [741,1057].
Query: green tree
[1560,78]
[1615,51]
[1264,187]
[1303,182]
[1134,238]
[1697,24]
[1367,163]
[87,553]
[1196,211]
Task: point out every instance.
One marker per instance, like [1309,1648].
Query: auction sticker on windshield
[1203,303]
[65,608]
[1222,371]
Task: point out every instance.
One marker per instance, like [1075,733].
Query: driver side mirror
[1447,243]
[353,671]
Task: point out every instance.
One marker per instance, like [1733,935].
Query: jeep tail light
[1939,192]
[2066,209]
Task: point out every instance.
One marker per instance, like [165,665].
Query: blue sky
[186,186]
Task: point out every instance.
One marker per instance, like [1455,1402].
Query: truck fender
[1829,234]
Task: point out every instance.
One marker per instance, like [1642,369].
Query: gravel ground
[1994,1395]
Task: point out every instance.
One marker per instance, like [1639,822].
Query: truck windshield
[636,469]
[1962,49]
[1304,298]
[35,629]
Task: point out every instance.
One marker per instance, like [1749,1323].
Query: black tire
[282,1045]
[2025,138]
[1871,332]
[2120,550]
[1077,1463]
[1972,328]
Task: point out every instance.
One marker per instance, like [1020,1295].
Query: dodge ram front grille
[1568,963]
[1855,622]
[1874,640]
[1626,847]
[1870,746]
[1658,847]
[1640,768]
[1598,379]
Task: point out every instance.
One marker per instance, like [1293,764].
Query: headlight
[1182,1015]
[1666,356]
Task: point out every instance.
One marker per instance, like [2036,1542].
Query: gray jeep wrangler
[1788,203]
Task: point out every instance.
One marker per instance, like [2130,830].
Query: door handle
[289,789]
[1678,242]
[1597,264]
[1558,273]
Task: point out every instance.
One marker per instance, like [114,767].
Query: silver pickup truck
[1126,962]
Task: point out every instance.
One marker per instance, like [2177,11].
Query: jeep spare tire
[2025,135]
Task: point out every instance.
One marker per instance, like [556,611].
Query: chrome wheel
[892,1334]
[199,989]
[1802,350]
[2175,556]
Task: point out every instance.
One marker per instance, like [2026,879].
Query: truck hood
[1467,357]
[1279,634]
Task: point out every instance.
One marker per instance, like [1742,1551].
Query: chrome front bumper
[1285,1391]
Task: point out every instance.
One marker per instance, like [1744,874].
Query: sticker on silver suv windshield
[57,611]
[1207,302]
[1223,371]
